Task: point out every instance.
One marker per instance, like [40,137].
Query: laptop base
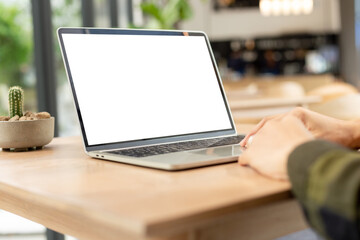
[178,160]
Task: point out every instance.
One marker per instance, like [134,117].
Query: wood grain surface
[65,190]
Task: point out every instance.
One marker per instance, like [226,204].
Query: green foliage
[16,101]
[168,15]
[15,46]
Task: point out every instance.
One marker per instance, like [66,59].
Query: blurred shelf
[256,104]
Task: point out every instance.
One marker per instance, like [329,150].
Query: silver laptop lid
[141,87]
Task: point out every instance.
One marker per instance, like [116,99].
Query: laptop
[151,98]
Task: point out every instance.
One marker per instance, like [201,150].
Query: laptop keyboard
[177,147]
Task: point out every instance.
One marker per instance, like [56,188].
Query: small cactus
[16,101]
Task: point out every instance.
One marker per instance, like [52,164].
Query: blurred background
[311,47]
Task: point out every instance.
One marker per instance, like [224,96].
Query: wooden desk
[69,192]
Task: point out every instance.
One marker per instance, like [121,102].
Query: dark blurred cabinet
[283,55]
[219,4]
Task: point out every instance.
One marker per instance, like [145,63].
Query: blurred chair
[339,100]
[257,100]
[333,90]
[284,89]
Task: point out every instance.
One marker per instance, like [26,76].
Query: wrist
[354,129]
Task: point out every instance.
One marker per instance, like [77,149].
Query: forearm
[325,178]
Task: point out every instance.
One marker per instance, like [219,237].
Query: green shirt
[325,179]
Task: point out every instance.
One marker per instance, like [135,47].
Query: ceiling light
[276,7]
[265,7]
[285,7]
[308,6]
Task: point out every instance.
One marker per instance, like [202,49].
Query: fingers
[253,131]
[268,154]
[243,160]
[257,128]
[300,113]
[249,141]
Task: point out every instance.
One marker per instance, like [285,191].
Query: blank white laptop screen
[132,87]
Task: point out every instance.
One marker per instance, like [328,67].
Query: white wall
[249,23]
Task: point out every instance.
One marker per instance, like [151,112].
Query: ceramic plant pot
[26,135]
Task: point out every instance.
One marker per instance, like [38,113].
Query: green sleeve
[325,179]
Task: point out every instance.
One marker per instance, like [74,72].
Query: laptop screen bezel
[152,141]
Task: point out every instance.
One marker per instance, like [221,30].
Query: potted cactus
[24,131]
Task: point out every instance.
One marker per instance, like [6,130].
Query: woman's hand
[272,144]
[346,133]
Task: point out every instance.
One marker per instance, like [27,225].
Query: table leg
[52,235]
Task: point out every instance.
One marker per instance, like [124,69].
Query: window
[16,52]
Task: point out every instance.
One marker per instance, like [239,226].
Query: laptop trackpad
[201,157]
[218,151]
